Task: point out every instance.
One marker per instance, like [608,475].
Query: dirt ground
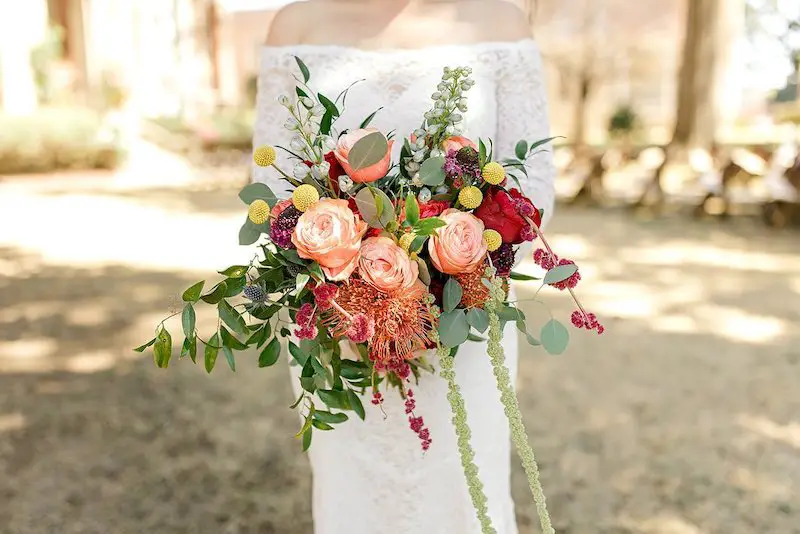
[683,419]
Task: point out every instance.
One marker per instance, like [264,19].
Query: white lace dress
[371,477]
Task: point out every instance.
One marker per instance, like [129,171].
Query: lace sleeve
[275,78]
[522,114]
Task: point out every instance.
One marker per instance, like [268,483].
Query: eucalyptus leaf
[417,243]
[431,172]
[521,149]
[559,273]
[451,295]
[453,328]
[554,337]
[368,151]
[193,293]
[249,233]
[270,354]
[367,202]
[424,273]
[532,340]
[509,313]
[188,320]
[258,191]
[478,319]
[473,337]
[211,353]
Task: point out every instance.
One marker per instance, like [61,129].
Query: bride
[371,477]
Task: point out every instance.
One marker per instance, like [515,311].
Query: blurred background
[125,134]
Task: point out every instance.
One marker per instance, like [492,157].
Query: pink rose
[385,265]
[330,234]
[375,171]
[458,247]
[457,142]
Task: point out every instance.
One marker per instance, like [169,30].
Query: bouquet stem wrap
[511,405]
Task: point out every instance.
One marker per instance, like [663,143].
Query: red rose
[432,208]
[335,171]
[500,211]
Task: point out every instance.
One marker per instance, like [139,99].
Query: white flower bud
[416,180]
[419,156]
[300,170]
[456,117]
[447,70]
[458,128]
[419,132]
[412,166]
[441,190]
[328,143]
[319,109]
[290,123]
[284,101]
[307,102]
[345,183]
[311,128]
[297,143]
[424,195]
[442,86]
[436,153]
[324,168]
[428,115]
[466,70]
[420,142]
[449,130]
[433,128]
[436,96]
[440,104]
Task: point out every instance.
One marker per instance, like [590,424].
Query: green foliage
[451,295]
[431,172]
[368,151]
[623,121]
[453,328]
[57,139]
[555,337]
[375,206]
[559,273]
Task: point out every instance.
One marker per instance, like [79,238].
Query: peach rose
[330,234]
[457,142]
[457,247]
[375,171]
[385,265]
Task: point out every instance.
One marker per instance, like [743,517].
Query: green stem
[511,405]
[479,501]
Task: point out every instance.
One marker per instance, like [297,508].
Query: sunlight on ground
[788,434]
[11,421]
[35,356]
[764,487]
[664,525]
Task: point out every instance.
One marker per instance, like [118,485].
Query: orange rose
[385,265]
[458,247]
[375,171]
[457,142]
[330,234]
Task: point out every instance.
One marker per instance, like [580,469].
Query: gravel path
[683,419]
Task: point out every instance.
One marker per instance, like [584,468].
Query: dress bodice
[506,104]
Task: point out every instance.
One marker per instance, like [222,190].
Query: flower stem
[463,433]
[511,405]
[540,235]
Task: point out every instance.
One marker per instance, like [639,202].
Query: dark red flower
[335,171]
[499,211]
[432,208]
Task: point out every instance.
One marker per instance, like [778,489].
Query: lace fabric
[371,476]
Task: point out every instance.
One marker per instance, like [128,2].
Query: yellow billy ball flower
[304,197]
[470,197]
[258,212]
[264,156]
[493,239]
[406,240]
[493,173]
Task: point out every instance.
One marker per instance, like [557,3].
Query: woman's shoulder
[290,23]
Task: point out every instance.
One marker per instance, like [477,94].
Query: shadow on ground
[681,420]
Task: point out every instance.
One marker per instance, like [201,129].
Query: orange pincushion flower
[402,319]
[475,294]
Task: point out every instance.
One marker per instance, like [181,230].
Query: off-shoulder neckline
[482,46]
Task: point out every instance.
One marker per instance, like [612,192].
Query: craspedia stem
[463,433]
[511,405]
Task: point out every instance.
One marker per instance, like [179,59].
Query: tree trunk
[696,115]
[581,105]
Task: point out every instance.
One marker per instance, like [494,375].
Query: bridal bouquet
[394,258]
